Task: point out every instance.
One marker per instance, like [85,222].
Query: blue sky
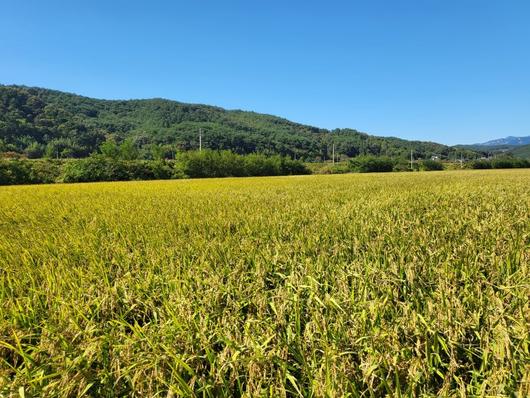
[442,70]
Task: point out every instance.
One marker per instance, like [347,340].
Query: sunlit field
[345,285]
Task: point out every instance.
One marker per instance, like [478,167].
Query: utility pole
[461,160]
[411,159]
[200,140]
[333,154]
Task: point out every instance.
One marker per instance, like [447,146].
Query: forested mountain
[39,122]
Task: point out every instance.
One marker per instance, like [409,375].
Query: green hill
[521,152]
[40,122]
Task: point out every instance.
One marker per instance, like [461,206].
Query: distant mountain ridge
[511,141]
[38,122]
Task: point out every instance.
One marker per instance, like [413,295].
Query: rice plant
[413,284]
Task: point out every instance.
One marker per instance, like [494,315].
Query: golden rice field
[366,285]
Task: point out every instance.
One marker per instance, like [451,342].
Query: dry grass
[358,285]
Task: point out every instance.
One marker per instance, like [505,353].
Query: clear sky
[451,71]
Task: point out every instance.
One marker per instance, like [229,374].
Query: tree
[128,150]
[110,149]
[34,150]
[431,165]
[157,152]
[370,164]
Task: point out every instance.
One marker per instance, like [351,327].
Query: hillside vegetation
[521,152]
[192,164]
[411,284]
[39,122]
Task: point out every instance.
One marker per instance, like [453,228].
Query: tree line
[114,166]
[192,164]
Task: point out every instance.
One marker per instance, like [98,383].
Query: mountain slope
[507,141]
[38,121]
[522,151]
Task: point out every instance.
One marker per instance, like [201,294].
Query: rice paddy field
[360,285]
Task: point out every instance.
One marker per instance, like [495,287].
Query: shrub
[208,164]
[227,164]
[509,163]
[371,164]
[14,172]
[29,171]
[340,168]
[95,168]
[178,170]
[430,165]
[403,165]
[292,167]
[261,165]
[104,168]
[503,163]
[45,171]
[160,169]
[481,164]
[34,150]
